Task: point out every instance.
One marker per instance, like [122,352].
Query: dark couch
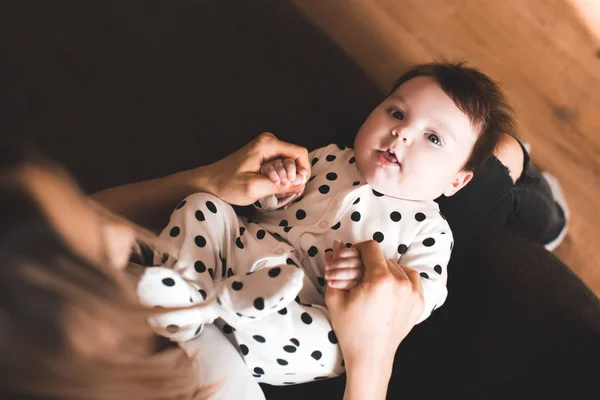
[120,91]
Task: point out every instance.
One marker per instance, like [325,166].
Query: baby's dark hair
[476,95]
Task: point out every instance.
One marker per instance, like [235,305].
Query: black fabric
[120,91]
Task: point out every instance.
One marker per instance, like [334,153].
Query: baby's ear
[460,180]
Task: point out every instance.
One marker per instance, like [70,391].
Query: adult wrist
[367,380]
[198,180]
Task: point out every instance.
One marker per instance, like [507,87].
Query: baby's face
[413,145]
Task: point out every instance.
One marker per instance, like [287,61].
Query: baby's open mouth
[390,156]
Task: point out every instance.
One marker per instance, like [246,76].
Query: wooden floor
[546,55]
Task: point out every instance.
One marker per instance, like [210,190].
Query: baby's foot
[162,288]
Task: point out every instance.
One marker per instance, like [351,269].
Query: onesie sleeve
[271,202]
[429,255]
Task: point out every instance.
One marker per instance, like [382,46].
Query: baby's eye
[433,138]
[398,114]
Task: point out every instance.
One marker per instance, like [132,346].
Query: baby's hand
[284,172]
[343,267]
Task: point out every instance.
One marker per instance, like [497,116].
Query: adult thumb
[334,298]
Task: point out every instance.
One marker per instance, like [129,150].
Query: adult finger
[261,186]
[335,298]
[415,279]
[270,147]
[373,260]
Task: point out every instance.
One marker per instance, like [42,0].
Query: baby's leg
[206,231]
[294,345]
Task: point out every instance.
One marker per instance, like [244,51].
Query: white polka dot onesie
[265,276]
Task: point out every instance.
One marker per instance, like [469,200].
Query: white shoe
[559,198]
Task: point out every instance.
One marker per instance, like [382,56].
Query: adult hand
[237,178]
[372,319]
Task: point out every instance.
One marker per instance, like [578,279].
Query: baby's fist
[284,172]
[343,267]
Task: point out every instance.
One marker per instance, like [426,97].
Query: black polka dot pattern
[330,157]
[428,242]
[259,371]
[228,329]
[180,205]
[203,294]
[274,272]
[295,341]
[352,160]
[356,201]
[438,269]
[174,231]
[200,241]
[259,303]
[420,216]
[313,251]
[378,237]
[314,161]
[331,176]
[260,234]
[244,349]
[377,194]
[336,226]
[289,349]
[259,338]
[395,216]
[200,216]
[242,230]
[283,311]
[316,355]
[402,248]
[284,222]
[237,286]
[306,318]
[211,207]
[332,338]
[324,189]
[300,214]
[199,267]
[424,275]
[355,216]
[281,361]
[168,282]
[239,243]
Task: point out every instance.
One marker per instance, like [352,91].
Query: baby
[264,279]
